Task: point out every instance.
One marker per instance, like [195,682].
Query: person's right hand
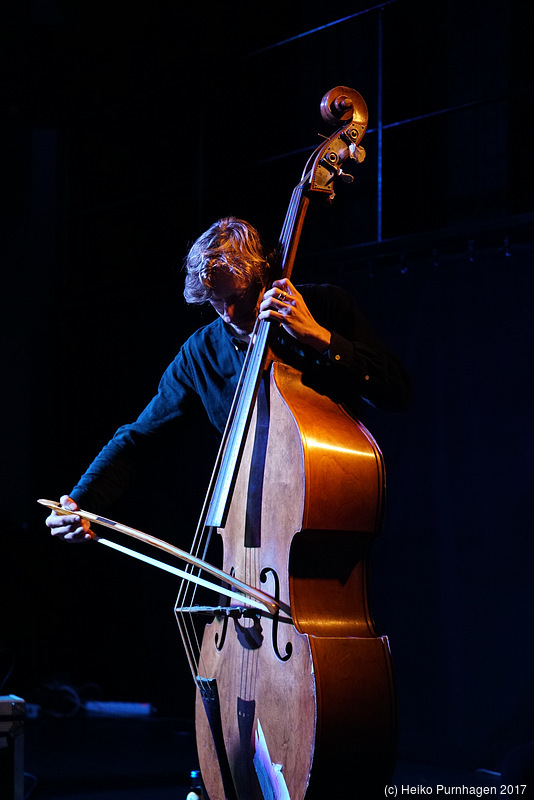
[69,527]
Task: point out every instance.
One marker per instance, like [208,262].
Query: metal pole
[380,77]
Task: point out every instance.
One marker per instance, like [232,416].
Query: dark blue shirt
[203,377]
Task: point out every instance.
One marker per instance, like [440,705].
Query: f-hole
[276,594]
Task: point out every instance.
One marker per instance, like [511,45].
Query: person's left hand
[286,305]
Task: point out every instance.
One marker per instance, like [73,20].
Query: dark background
[126,130]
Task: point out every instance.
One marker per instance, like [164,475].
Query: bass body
[305,697]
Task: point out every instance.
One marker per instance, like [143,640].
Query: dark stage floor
[150,759]
[106,759]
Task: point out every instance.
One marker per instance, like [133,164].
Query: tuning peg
[357,153]
[346,177]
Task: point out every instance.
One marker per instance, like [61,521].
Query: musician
[321,332]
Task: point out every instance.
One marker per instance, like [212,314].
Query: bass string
[185,616]
[250,652]
[252,364]
[187,592]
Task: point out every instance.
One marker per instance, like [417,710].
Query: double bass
[295,694]
[294,701]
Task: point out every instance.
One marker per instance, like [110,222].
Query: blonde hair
[230,244]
